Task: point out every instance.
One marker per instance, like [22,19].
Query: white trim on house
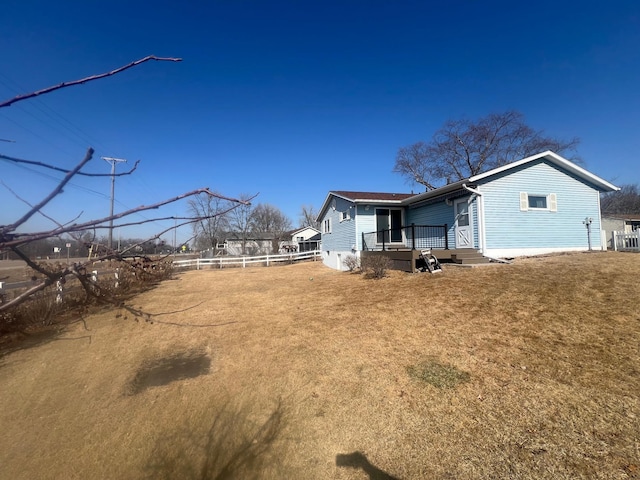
[530,251]
[553,158]
[482,238]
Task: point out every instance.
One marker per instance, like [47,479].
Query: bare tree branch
[58,169]
[86,79]
[48,198]
[8,240]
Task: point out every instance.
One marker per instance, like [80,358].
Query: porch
[403,246]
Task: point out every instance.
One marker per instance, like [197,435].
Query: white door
[464,228]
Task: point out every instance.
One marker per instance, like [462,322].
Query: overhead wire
[72,132]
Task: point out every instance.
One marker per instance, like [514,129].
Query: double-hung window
[326,226]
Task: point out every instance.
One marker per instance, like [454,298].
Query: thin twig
[85,80]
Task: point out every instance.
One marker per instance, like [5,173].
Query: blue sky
[293,99]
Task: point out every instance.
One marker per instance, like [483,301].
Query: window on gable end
[529,201]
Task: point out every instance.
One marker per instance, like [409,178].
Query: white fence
[266,260]
[626,241]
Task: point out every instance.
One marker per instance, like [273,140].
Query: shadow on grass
[23,341]
[233,447]
[164,370]
[360,461]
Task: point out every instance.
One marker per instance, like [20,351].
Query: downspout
[481,233]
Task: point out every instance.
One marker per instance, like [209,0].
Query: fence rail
[627,241]
[246,261]
[415,237]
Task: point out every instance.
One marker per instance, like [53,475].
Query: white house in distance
[540,204]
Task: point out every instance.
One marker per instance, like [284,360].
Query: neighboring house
[621,223]
[301,240]
[305,239]
[540,204]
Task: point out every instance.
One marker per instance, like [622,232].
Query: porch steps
[468,256]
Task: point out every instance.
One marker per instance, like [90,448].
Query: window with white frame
[326,226]
[345,216]
[535,201]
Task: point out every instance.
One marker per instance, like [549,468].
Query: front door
[464,227]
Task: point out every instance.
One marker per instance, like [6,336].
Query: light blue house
[540,204]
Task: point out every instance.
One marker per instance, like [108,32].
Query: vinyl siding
[441,213]
[342,236]
[366,222]
[507,227]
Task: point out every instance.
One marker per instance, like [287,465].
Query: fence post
[244,262]
[59,290]
[267,259]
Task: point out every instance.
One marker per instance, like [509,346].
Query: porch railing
[415,237]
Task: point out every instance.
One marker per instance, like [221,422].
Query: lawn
[528,370]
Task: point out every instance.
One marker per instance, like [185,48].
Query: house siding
[439,214]
[508,229]
[366,222]
[339,243]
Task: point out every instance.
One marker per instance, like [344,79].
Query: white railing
[626,241]
[266,260]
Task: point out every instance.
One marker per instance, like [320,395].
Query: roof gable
[557,160]
[549,156]
[384,198]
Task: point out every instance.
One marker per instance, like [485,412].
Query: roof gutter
[472,190]
[481,233]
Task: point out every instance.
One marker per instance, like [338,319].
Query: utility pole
[113,162]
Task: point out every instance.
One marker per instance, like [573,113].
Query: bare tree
[214,220]
[240,220]
[308,217]
[269,220]
[624,201]
[463,148]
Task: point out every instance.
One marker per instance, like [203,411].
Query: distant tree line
[220,221]
[626,201]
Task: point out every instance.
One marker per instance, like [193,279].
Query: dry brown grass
[307,375]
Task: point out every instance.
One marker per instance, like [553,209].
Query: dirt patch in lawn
[527,370]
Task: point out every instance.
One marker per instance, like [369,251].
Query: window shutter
[553,202]
[524,201]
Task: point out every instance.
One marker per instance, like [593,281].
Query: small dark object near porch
[428,262]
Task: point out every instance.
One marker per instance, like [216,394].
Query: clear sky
[293,99]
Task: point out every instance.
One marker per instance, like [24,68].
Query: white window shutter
[553,202]
[524,201]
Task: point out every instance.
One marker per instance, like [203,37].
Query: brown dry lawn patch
[303,372]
